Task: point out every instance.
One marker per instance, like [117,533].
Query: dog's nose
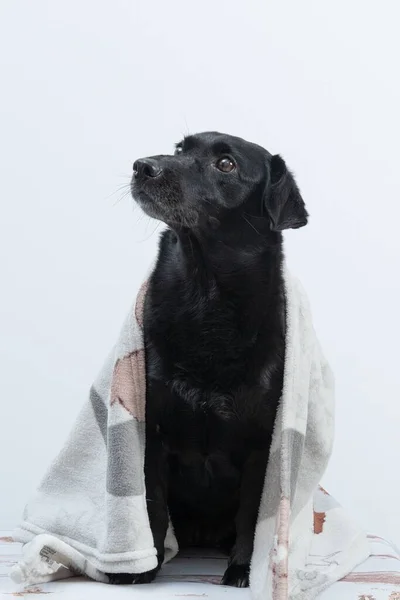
[146,167]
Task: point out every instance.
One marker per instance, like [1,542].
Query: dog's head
[213,180]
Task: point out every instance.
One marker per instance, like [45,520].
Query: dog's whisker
[251,225]
[123,185]
[254,216]
[122,197]
[140,214]
[191,246]
[122,188]
[153,232]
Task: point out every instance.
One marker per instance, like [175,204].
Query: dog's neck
[211,260]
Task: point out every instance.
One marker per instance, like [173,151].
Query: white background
[87,87]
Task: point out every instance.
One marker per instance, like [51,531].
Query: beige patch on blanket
[139,308]
[126,387]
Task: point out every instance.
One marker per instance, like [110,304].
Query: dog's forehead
[217,142]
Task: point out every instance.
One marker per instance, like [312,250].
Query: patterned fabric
[90,511]
[198,575]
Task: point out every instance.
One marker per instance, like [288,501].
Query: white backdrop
[87,87]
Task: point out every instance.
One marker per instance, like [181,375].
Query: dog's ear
[284,203]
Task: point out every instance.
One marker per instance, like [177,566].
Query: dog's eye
[225,164]
[178,150]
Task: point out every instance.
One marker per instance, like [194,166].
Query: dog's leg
[156,496]
[238,571]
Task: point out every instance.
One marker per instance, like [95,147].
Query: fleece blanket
[89,515]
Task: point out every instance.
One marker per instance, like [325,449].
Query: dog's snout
[146,168]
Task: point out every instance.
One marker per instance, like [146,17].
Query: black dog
[214,336]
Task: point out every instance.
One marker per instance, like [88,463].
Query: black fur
[214,336]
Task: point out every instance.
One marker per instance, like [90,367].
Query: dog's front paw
[237,576]
[132,578]
[146,577]
[120,578]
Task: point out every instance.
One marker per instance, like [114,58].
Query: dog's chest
[207,388]
[209,345]
[201,424]
[206,366]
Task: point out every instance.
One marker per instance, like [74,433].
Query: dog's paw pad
[237,576]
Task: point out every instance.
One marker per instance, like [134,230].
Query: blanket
[89,515]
